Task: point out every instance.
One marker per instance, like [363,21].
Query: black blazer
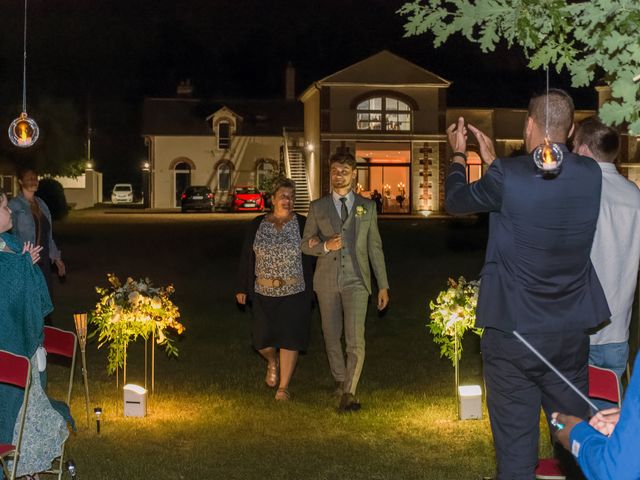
[537,275]
[247,268]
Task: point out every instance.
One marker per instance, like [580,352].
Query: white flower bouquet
[452,314]
[131,310]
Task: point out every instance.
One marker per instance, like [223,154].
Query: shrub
[52,192]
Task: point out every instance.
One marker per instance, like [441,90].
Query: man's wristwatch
[459,154]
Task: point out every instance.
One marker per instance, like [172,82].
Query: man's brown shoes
[348,403]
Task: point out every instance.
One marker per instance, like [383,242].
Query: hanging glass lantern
[24,131]
[548,159]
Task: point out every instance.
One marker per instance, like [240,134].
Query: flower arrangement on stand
[452,314]
[126,312]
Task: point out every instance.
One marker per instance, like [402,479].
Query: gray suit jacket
[323,222]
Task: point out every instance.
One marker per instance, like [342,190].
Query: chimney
[290,82]
[185,89]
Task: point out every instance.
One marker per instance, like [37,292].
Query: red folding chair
[604,385]
[14,370]
[62,343]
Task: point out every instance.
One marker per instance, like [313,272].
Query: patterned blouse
[279,255]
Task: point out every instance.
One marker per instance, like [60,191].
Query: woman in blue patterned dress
[276,279]
[23,304]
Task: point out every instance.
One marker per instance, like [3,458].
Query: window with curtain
[383,114]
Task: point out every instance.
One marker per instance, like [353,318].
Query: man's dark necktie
[344,211]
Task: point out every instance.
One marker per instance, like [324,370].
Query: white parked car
[122,193]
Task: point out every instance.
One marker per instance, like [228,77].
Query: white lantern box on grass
[135,401]
[470,398]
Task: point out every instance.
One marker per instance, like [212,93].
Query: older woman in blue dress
[23,304]
[276,279]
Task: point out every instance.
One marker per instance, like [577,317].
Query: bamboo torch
[80,319]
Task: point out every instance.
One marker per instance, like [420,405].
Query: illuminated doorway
[384,171]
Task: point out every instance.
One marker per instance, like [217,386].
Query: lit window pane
[375,103]
[363,105]
[403,106]
[391,104]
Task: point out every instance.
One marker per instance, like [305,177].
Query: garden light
[70,465]
[135,400]
[98,413]
[470,398]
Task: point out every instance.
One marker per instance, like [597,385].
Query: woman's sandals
[282,395]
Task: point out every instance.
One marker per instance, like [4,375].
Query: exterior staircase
[295,168]
[298,172]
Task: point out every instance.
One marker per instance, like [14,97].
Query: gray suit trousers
[347,307]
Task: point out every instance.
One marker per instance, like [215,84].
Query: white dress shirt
[615,253]
[351,198]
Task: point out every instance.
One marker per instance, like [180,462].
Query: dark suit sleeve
[376,255]
[484,195]
[311,229]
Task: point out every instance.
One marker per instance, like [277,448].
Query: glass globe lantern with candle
[548,159]
[24,131]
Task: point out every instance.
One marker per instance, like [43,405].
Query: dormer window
[224,136]
[383,114]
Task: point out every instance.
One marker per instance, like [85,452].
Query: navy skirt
[281,322]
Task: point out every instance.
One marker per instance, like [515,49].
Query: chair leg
[61,465]
[5,469]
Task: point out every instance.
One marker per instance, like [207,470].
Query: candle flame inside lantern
[547,155]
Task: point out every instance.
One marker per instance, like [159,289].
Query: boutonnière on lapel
[360,210]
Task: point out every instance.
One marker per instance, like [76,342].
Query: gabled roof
[174,116]
[385,68]
[178,116]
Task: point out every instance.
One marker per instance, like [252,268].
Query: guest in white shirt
[615,253]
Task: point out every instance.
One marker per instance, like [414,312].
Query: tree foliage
[594,39]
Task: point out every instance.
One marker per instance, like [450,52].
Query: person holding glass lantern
[23,305]
[537,279]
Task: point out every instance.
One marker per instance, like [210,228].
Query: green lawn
[213,417]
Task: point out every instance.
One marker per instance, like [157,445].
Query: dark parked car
[246,199]
[197,198]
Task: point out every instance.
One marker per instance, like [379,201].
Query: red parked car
[247,199]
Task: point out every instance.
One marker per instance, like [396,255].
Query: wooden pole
[457,370]
[80,321]
[124,370]
[86,384]
[153,360]
[146,342]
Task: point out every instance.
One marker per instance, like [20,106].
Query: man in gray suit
[342,231]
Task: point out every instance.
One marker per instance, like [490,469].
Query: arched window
[224,176]
[265,172]
[383,114]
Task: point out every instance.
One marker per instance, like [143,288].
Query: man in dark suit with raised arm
[537,278]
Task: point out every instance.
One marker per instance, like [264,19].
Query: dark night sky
[115,52]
